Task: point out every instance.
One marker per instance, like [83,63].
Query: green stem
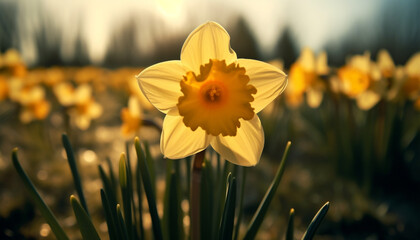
[195,195]
[241,200]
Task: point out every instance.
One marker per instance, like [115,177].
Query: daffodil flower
[304,79]
[31,98]
[412,83]
[361,79]
[131,117]
[4,88]
[85,107]
[210,97]
[386,64]
[80,103]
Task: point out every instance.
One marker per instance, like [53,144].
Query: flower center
[217,98]
[213,94]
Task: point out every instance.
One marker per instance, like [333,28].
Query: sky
[313,23]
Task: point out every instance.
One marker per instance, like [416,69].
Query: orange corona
[217,98]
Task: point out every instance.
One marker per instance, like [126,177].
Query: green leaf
[126,194]
[130,186]
[110,217]
[290,225]
[43,208]
[228,218]
[220,194]
[73,167]
[150,164]
[166,203]
[173,211]
[123,171]
[139,199]
[84,222]
[122,225]
[112,179]
[108,188]
[316,221]
[263,207]
[150,195]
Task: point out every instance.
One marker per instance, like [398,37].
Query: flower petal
[314,97]
[307,59]
[160,83]
[367,99]
[208,41]
[246,147]
[178,141]
[412,67]
[268,79]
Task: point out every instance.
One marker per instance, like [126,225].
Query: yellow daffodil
[210,97]
[124,78]
[297,86]
[417,104]
[131,117]
[361,79]
[81,106]
[92,75]
[4,88]
[84,108]
[88,75]
[67,95]
[12,60]
[36,110]
[84,112]
[32,99]
[395,89]
[303,78]
[412,84]
[353,81]
[136,91]
[386,64]
[24,92]
[53,76]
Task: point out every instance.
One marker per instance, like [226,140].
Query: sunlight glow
[96,22]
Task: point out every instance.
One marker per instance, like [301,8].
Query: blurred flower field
[354,129]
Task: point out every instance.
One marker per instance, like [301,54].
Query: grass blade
[108,188]
[43,208]
[109,217]
[290,225]
[219,196]
[130,186]
[174,214]
[139,199]
[122,224]
[84,222]
[263,207]
[74,171]
[109,200]
[148,188]
[316,221]
[228,218]
[150,164]
[113,181]
[126,194]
